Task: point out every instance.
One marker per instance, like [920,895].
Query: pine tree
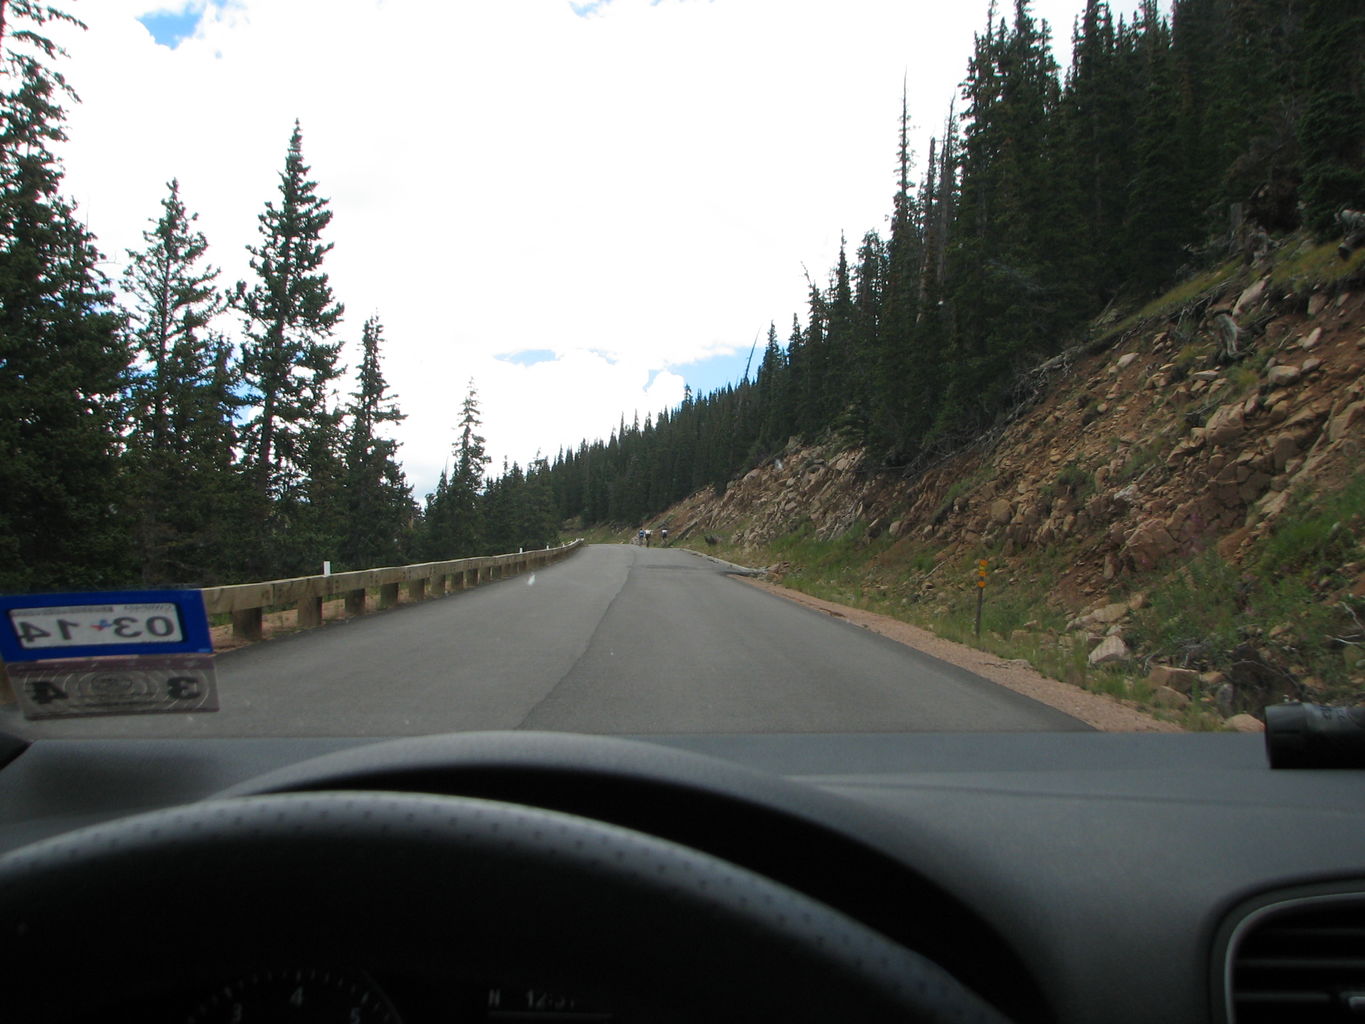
[866,341]
[1160,209]
[289,365]
[62,357]
[378,501]
[467,481]
[1094,165]
[1330,128]
[772,395]
[181,404]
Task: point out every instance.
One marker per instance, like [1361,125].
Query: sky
[582,207]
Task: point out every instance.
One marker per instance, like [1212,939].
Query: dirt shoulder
[1103,713]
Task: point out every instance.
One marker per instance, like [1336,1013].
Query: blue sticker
[38,627]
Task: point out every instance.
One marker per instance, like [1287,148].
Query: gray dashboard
[1076,877]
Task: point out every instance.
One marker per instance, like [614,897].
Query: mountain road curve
[616,639]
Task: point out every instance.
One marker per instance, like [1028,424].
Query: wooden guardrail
[246,602]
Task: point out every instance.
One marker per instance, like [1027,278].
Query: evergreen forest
[141,445]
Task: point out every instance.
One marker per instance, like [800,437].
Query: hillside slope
[1174,512]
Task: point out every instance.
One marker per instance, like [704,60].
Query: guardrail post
[388,595]
[310,612]
[355,602]
[246,623]
[417,589]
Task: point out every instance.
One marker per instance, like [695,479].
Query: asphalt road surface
[615,639]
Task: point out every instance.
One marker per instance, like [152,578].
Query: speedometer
[300,996]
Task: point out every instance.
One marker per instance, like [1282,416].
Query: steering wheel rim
[105,915]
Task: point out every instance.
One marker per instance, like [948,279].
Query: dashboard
[551,876]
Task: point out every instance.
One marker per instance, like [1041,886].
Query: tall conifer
[181,433]
[289,365]
[62,356]
[377,500]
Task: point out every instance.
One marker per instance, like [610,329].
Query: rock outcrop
[1180,456]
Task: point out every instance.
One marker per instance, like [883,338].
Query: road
[615,639]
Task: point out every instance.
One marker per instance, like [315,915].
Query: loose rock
[1111,650]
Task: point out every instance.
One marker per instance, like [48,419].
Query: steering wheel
[102,918]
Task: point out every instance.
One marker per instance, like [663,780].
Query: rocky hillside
[1175,445]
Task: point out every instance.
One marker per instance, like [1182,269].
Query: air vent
[1299,962]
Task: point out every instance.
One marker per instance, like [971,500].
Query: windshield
[678,367]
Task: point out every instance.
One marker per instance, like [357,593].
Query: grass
[1289,600]
[1305,265]
[1177,298]
[1316,265]
[601,534]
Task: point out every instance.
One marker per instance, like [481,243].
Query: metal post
[981,566]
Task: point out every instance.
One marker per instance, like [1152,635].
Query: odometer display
[302,996]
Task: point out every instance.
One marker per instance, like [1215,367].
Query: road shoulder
[1096,710]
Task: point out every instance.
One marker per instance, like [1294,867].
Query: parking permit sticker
[81,687]
[109,653]
[102,624]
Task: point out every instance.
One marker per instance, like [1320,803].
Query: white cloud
[644,181]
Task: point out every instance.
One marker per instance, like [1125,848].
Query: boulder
[1281,376]
[1312,340]
[1111,650]
[1244,723]
[1109,613]
[1308,416]
[1253,487]
[1148,544]
[1226,425]
[1165,697]
[1182,680]
[1343,421]
[1283,448]
[1001,510]
[1098,617]
[1250,296]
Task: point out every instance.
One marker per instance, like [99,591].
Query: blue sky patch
[707,375]
[527,357]
[584,8]
[169,29]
